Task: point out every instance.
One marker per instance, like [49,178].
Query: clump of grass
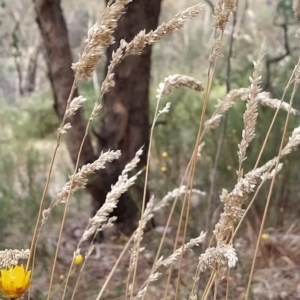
[220,254]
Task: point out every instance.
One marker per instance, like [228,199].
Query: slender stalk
[176,240]
[32,252]
[227,284]
[186,221]
[167,226]
[210,76]
[144,197]
[65,211]
[224,124]
[215,290]
[247,209]
[275,116]
[209,285]
[34,238]
[270,193]
[114,268]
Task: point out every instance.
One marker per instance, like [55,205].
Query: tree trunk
[125,123]
[53,28]
[30,80]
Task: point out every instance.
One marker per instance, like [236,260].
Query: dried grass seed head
[176,23]
[222,107]
[142,39]
[175,81]
[100,36]
[75,104]
[12,257]
[80,179]
[101,217]
[224,255]
[216,50]
[222,13]
[296,7]
[234,200]
[170,260]
[265,99]
[250,115]
[175,194]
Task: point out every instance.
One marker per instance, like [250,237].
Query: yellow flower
[163,169]
[78,259]
[265,236]
[14,281]
[164,154]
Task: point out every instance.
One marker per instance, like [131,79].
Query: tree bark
[30,79]
[53,28]
[125,121]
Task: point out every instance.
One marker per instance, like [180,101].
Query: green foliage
[285,7]
[21,167]
[87,91]
[176,134]
[33,120]
[22,164]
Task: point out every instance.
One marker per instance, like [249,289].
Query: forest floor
[277,273]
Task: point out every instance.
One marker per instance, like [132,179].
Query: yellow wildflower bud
[163,169]
[78,259]
[164,154]
[265,236]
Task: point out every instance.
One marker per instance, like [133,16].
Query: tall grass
[212,267]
